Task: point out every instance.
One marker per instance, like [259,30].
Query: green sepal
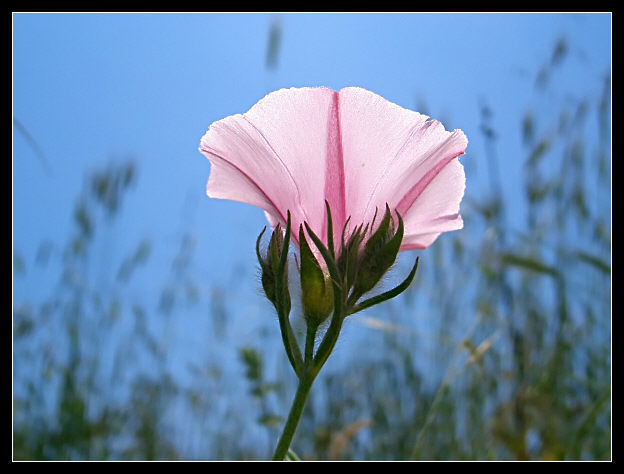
[278,255]
[329,261]
[275,284]
[397,290]
[348,260]
[274,275]
[330,232]
[267,276]
[379,253]
[316,290]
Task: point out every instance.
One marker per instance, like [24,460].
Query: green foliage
[59,411]
[259,388]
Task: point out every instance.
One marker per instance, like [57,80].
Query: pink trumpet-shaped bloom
[297,148]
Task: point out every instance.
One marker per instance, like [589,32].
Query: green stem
[290,343]
[305,383]
[327,344]
[312,363]
[312,367]
[309,344]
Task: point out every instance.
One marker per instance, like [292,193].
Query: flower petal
[274,156]
[436,209]
[374,131]
[297,148]
[392,155]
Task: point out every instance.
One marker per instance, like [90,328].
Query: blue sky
[89,87]
[94,87]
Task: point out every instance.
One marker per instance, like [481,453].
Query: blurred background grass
[501,349]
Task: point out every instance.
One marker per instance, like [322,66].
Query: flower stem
[312,366]
[305,383]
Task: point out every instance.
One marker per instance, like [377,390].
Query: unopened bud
[273,275]
[316,289]
[379,254]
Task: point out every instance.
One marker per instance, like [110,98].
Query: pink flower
[297,148]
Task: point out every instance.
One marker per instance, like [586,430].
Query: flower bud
[378,255]
[316,289]
[274,274]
